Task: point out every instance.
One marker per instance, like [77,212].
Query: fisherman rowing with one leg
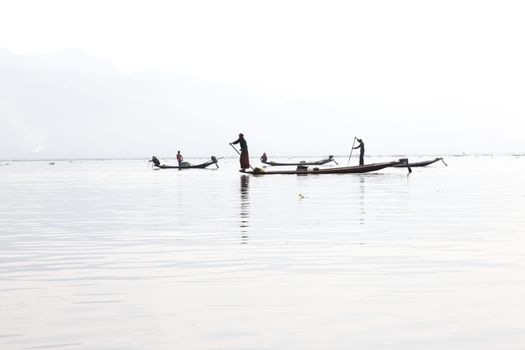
[245,158]
[361,147]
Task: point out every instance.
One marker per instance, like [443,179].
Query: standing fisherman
[361,147]
[180,158]
[245,158]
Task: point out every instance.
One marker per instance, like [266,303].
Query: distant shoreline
[276,156]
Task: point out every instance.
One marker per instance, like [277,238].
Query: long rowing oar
[239,153]
[444,162]
[353,143]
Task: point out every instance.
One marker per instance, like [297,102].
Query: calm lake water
[115,255]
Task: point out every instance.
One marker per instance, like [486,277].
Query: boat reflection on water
[245,205]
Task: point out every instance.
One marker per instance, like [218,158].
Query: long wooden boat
[318,162]
[213,160]
[359,169]
[420,164]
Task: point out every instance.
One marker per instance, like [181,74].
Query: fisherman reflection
[245,204]
[362,199]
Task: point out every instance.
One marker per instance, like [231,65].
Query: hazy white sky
[456,67]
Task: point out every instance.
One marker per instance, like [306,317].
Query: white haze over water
[132,79]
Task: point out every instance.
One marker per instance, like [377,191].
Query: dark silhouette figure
[155,161]
[245,158]
[264,157]
[361,147]
[180,158]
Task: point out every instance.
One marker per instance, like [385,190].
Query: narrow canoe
[359,169]
[318,162]
[420,164]
[196,166]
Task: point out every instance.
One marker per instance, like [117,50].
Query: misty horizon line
[61,159]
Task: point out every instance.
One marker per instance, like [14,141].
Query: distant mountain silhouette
[75,105]
[67,60]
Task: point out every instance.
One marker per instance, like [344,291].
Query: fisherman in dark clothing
[155,161]
[361,147]
[245,158]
